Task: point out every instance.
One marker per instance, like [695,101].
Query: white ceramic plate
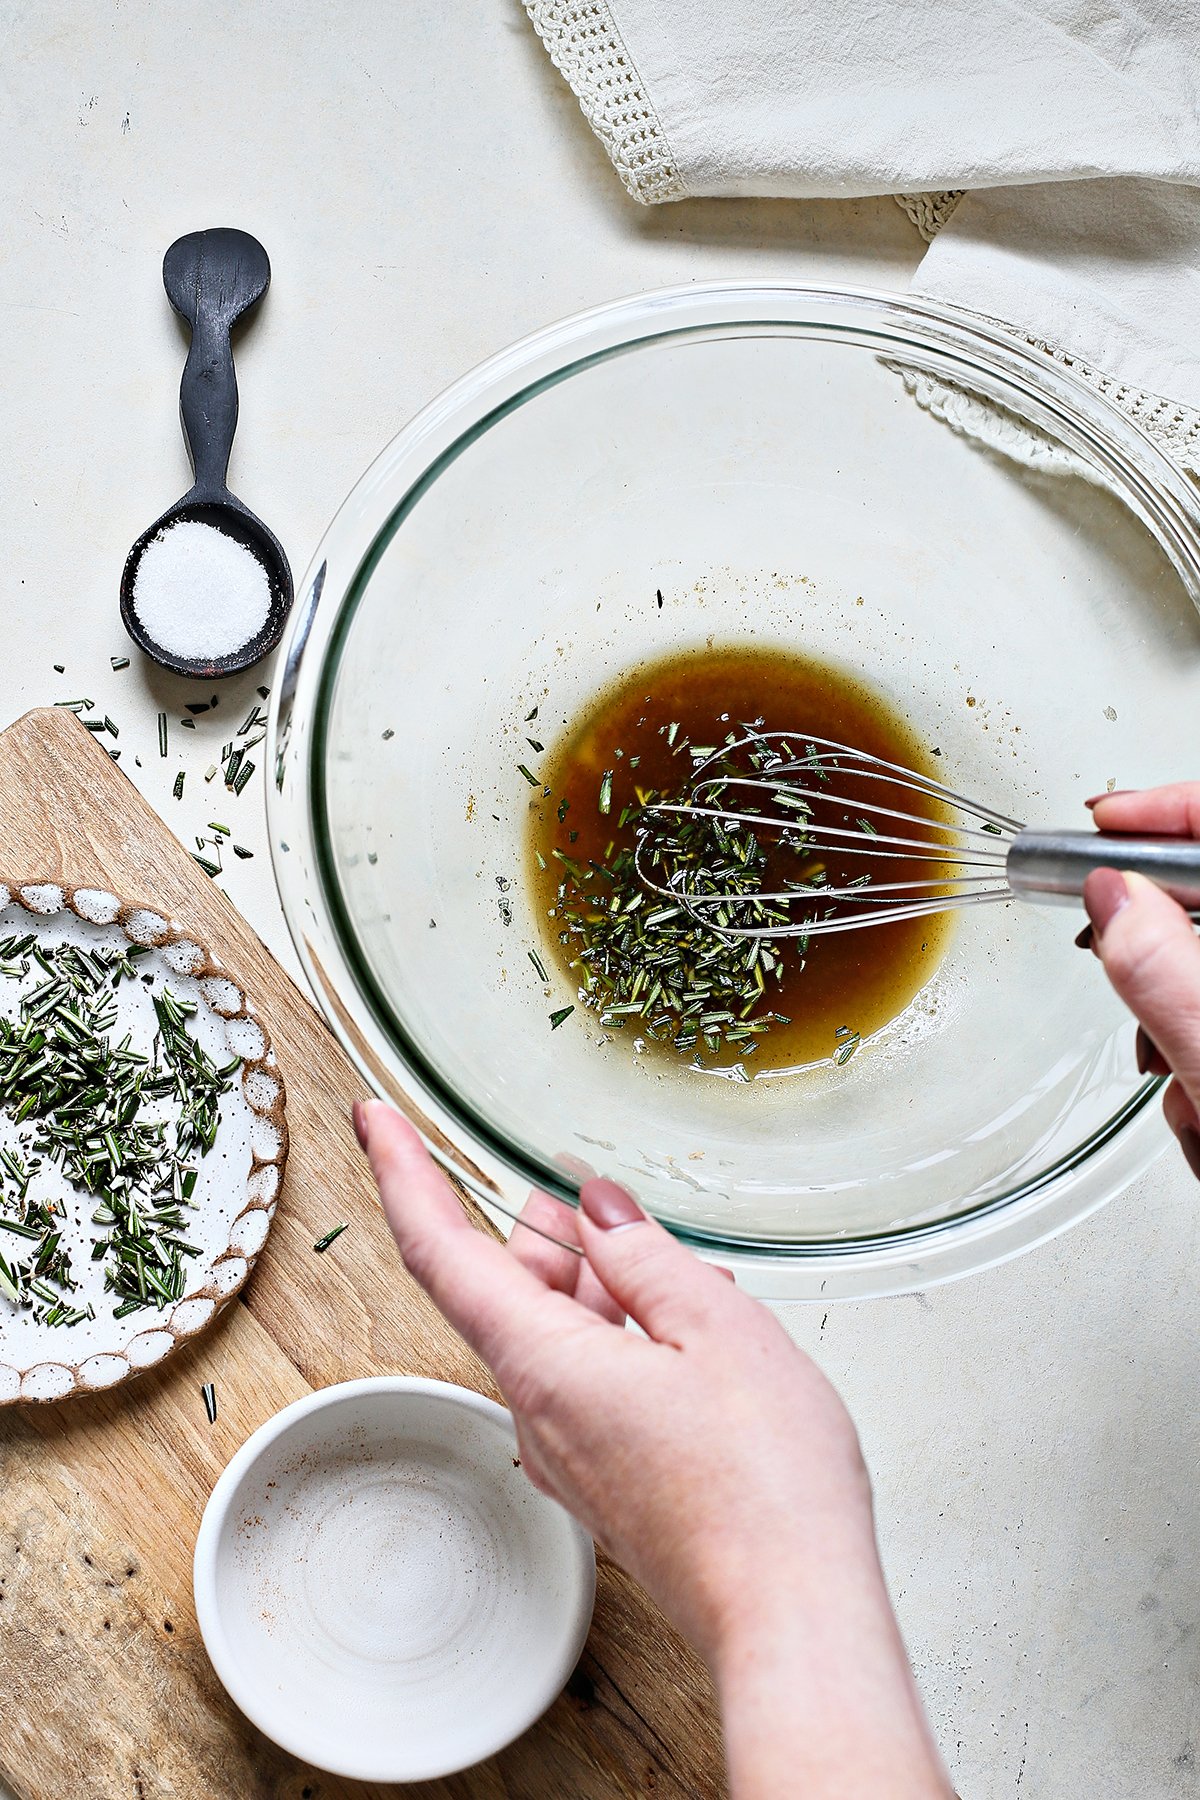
[380,1587]
[238,1182]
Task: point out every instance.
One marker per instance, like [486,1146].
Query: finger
[1150,1059]
[668,1291]
[591,1292]
[1185,1123]
[1172,810]
[543,1252]
[1180,1114]
[484,1292]
[542,1247]
[1151,955]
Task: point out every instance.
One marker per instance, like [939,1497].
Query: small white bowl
[381,1589]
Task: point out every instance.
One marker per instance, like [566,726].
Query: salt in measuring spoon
[213,279]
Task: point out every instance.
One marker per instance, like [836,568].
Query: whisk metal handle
[1053,865]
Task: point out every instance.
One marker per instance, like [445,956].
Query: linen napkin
[1073,124]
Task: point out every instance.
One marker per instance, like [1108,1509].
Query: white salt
[198,593]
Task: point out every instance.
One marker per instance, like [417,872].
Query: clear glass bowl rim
[936,338]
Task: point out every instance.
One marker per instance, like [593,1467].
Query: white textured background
[427,191]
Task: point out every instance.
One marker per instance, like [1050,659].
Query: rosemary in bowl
[658,961]
[657,971]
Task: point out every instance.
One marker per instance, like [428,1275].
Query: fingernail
[1085,938]
[727,1273]
[1109,794]
[358,1113]
[1189,1143]
[1150,1059]
[609,1206]
[1104,894]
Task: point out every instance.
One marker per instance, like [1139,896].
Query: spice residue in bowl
[653,975]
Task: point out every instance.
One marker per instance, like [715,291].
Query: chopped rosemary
[118,662]
[177,790]
[663,960]
[556,1018]
[162,734]
[539,966]
[529,716]
[323,1243]
[241,851]
[209,1395]
[531,779]
[95,1110]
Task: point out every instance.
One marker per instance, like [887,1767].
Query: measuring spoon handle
[212,278]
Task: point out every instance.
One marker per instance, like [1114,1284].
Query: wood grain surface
[106,1686]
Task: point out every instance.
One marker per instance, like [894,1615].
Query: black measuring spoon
[213,279]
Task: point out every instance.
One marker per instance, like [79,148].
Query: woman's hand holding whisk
[1151,952]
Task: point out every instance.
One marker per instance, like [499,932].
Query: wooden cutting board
[107,1690]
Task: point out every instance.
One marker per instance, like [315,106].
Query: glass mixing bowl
[882,483]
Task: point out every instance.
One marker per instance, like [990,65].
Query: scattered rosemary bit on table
[556,1018]
[209,1395]
[177,790]
[118,662]
[162,734]
[322,1244]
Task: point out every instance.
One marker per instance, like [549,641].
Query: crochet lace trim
[586,47]
[929,212]
[585,44]
[1174,428]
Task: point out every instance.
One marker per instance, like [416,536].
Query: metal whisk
[815,799]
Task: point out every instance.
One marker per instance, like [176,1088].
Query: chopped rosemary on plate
[123,1131]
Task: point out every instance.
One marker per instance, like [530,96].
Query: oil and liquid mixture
[805,1001]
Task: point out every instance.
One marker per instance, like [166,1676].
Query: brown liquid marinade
[846,982]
